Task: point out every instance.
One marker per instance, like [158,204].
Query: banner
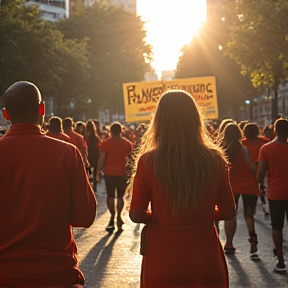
[141,98]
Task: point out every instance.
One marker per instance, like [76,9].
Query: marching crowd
[186,175]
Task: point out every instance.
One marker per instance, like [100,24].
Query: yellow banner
[141,98]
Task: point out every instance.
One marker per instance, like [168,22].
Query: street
[113,260]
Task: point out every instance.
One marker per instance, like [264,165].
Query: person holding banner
[183,177]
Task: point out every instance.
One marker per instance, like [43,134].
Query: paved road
[113,260]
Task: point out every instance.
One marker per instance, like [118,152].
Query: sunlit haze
[170,24]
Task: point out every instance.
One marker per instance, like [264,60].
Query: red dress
[184,250]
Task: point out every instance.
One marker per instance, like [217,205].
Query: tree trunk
[251,108]
[274,103]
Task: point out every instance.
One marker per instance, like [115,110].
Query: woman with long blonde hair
[183,176]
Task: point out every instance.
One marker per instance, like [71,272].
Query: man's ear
[41,108]
[5,114]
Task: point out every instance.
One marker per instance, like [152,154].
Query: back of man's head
[67,123]
[116,129]
[251,131]
[21,101]
[55,124]
[281,127]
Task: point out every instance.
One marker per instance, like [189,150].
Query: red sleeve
[141,190]
[262,156]
[102,146]
[83,202]
[224,200]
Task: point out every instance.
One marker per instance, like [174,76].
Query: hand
[262,189]
[98,179]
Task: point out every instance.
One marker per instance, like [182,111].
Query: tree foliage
[259,40]
[118,53]
[33,50]
[202,57]
[102,48]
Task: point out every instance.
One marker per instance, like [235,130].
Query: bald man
[44,191]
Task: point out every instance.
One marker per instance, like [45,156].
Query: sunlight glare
[170,25]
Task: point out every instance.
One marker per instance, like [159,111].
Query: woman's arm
[141,196]
[140,217]
[226,209]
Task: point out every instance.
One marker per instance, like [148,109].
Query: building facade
[52,9]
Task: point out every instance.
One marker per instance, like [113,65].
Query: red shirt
[116,151]
[254,146]
[60,136]
[275,154]
[79,142]
[44,191]
[242,180]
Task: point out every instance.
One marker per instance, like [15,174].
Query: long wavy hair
[232,136]
[184,156]
[91,136]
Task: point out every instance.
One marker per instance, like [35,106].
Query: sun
[170,24]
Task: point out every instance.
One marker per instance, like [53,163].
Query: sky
[170,24]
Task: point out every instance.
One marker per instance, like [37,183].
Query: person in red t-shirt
[243,182]
[55,129]
[113,153]
[273,158]
[44,191]
[93,141]
[254,142]
[76,139]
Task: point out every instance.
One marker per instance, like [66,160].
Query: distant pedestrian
[55,129]
[273,160]
[93,142]
[253,141]
[44,191]
[183,177]
[76,139]
[80,127]
[113,154]
[269,132]
[243,182]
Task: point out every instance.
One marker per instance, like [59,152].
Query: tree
[204,57]
[259,41]
[33,50]
[118,52]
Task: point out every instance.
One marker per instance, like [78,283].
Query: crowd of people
[185,175]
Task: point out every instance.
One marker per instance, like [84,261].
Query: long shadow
[104,258]
[267,276]
[243,279]
[89,262]
[78,232]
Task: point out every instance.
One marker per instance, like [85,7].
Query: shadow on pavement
[268,277]
[78,232]
[98,258]
[90,260]
[243,279]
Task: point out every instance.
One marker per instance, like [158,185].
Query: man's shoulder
[262,140]
[272,146]
[126,140]
[48,140]
[115,142]
[75,135]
